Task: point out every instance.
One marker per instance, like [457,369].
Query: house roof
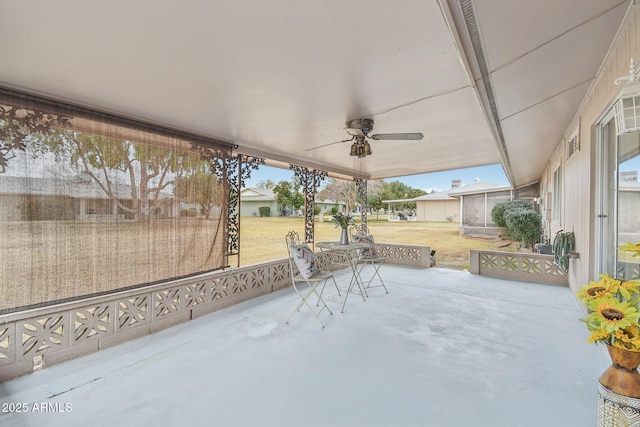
[253,194]
[478,188]
[438,195]
[250,194]
[79,188]
[485,82]
[454,193]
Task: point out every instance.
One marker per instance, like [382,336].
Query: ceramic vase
[619,390]
[622,376]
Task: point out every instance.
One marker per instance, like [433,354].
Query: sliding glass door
[628,202]
[618,201]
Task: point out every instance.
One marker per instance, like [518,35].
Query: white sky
[438,180]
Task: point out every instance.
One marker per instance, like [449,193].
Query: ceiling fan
[359,130]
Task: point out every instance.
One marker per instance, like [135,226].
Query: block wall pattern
[524,266]
[35,338]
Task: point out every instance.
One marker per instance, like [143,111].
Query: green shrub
[497,213]
[316,210]
[524,224]
[264,211]
[520,220]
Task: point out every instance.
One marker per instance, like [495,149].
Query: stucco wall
[251,208]
[438,210]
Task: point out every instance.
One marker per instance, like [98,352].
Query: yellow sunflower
[593,290]
[631,247]
[610,283]
[599,334]
[611,314]
[628,288]
[627,338]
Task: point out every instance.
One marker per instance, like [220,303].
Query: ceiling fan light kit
[360,148]
[359,130]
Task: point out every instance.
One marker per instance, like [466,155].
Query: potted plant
[613,320]
[344,222]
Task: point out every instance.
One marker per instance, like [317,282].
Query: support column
[232,172]
[361,196]
[310,181]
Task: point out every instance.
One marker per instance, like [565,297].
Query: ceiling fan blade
[397,136]
[331,143]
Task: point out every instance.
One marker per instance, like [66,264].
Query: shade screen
[91,203]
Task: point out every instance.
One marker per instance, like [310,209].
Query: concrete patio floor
[443,348]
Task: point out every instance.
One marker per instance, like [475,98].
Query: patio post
[361,192]
[233,171]
[310,181]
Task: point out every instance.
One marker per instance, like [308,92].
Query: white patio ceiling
[279,78]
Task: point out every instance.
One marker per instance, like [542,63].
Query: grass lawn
[52,260]
[262,239]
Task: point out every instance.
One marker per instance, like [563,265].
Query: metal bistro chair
[302,259]
[369,256]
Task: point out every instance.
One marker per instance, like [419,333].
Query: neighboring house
[31,198]
[437,206]
[252,199]
[475,202]
[327,205]
[470,205]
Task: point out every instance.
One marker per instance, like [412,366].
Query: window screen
[556,208]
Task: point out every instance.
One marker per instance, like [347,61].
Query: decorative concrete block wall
[33,339]
[523,266]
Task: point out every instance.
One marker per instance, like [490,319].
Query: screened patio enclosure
[476,204]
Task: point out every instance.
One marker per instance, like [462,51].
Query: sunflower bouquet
[613,307]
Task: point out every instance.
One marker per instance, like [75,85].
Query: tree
[288,194]
[200,187]
[377,190]
[374,200]
[283,193]
[375,203]
[266,184]
[297,199]
[374,187]
[148,169]
[397,190]
[20,127]
[340,191]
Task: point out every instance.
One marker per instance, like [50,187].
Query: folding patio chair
[369,256]
[309,276]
